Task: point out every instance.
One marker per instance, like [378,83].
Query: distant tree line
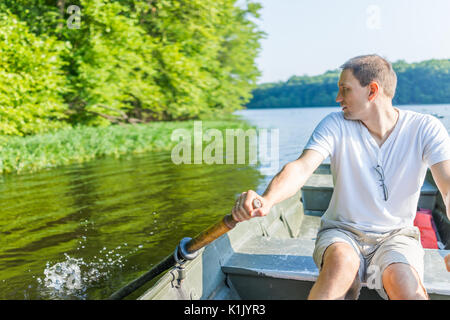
[426,82]
[124,61]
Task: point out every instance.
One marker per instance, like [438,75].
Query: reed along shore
[82,143]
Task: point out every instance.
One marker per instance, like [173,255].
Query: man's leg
[401,282]
[400,260]
[339,270]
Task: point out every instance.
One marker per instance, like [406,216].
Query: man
[379,157]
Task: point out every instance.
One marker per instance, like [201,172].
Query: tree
[31,81]
[146,60]
[417,83]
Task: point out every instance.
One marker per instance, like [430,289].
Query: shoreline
[81,144]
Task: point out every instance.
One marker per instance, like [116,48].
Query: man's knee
[338,274]
[341,255]
[401,281]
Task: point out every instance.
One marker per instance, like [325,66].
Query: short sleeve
[324,137]
[436,142]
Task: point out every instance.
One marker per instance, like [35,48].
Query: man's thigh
[402,248]
[325,239]
[328,237]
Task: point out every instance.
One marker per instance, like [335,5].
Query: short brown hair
[370,68]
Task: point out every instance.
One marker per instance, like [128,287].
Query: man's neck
[381,122]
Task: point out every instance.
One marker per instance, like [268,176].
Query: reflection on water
[83,231]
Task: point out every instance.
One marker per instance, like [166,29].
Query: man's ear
[374,89]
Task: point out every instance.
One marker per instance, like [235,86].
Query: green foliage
[426,82]
[140,60]
[84,143]
[31,80]
[113,65]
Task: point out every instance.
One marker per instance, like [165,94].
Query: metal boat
[271,257]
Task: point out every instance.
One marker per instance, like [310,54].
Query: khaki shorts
[375,250]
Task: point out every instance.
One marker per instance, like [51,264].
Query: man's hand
[245,209]
[447,262]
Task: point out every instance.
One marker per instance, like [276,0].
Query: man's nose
[339,97]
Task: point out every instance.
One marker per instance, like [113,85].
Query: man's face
[352,97]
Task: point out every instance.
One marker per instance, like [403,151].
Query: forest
[100,62]
[425,82]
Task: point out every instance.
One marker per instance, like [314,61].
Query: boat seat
[291,259]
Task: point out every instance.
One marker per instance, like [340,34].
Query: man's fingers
[251,202]
[234,210]
[257,203]
[237,212]
[243,210]
[248,205]
[256,213]
[261,212]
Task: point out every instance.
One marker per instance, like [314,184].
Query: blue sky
[313,36]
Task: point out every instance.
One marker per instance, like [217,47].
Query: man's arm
[284,185]
[293,176]
[441,175]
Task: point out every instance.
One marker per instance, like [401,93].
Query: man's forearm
[447,204]
[286,183]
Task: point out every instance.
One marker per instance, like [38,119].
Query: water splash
[71,278]
[64,278]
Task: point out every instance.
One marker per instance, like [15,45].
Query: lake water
[83,231]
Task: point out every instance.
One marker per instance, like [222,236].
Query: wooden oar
[186,250]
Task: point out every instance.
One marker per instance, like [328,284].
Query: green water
[105,222]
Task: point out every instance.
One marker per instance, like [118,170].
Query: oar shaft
[215,231]
[168,262]
[211,234]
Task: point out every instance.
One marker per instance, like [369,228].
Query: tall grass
[82,143]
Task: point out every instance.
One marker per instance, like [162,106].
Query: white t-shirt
[418,141]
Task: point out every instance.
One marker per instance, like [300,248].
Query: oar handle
[215,231]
